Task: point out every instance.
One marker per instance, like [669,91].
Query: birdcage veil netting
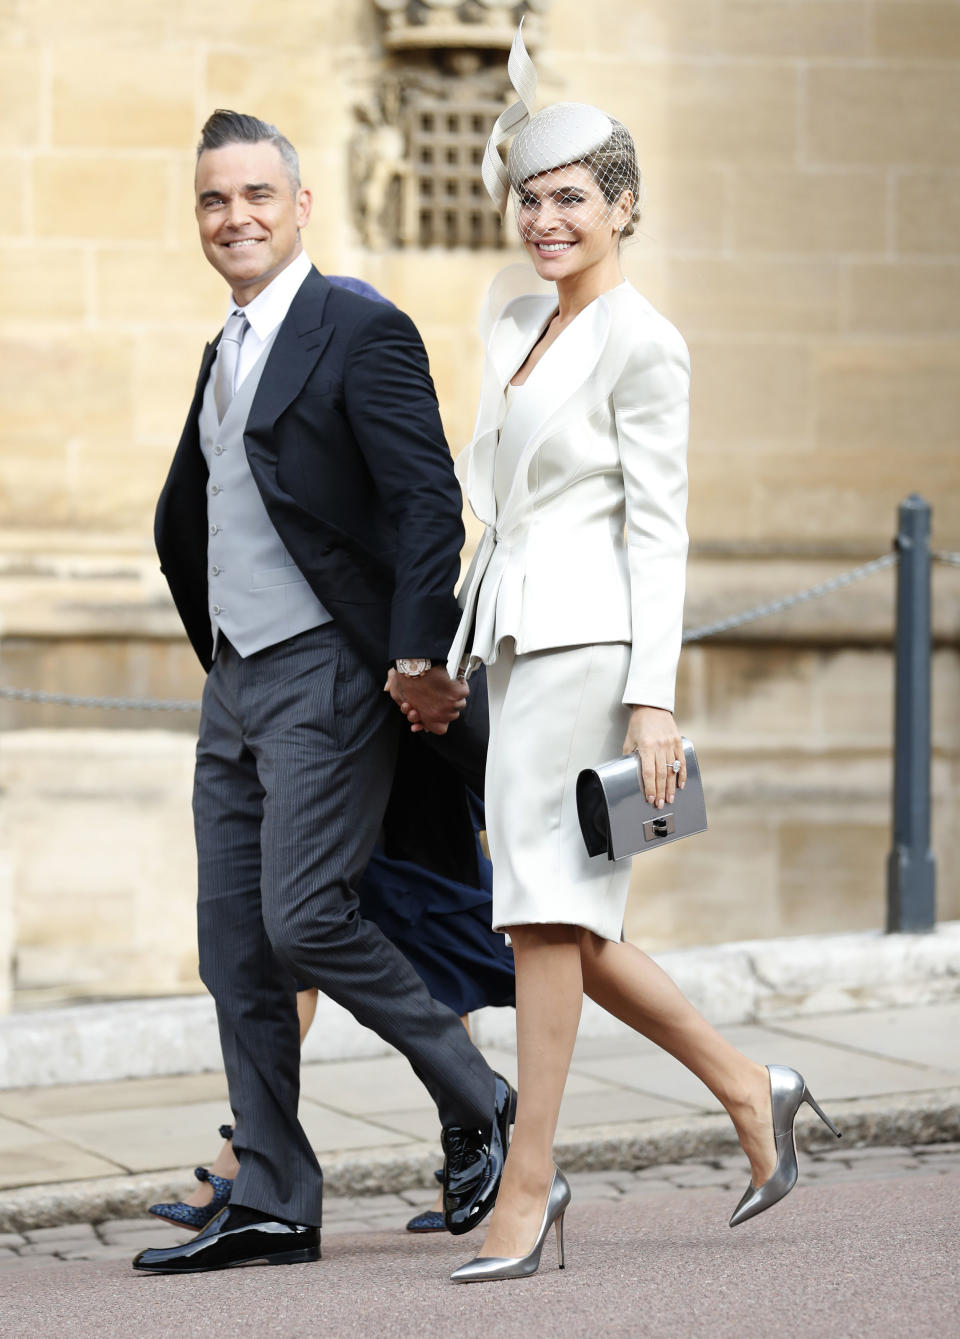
[569,161]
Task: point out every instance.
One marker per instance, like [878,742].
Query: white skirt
[552,713]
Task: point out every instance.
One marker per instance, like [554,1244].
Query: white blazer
[589,542]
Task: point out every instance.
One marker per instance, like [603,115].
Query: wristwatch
[413,669]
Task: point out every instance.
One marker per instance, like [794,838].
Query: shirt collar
[266,311]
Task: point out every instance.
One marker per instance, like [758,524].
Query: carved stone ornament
[416,158]
[420,24]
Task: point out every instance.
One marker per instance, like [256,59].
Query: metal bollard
[911,868]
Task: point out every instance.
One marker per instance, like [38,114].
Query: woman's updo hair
[615,167]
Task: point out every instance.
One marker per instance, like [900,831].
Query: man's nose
[237,212]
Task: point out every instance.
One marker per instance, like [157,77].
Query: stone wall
[803,175]
[802,225]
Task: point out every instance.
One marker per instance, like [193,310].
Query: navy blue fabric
[442,927]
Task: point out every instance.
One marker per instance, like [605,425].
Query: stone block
[888,114]
[694,892]
[916,30]
[13,170]
[809,211]
[47,22]
[160,286]
[123,97]
[903,298]
[738,296]
[746,394]
[902,399]
[792,29]
[712,113]
[99,198]
[686,209]
[304,93]
[832,872]
[42,284]
[290,25]
[21,111]
[71,386]
[927,217]
[164,375]
[663,29]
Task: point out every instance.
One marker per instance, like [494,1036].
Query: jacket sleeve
[392,409]
[651,406]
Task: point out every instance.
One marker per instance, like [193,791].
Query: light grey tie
[228,355]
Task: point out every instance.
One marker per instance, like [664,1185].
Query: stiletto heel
[788,1092]
[489,1267]
[809,1099]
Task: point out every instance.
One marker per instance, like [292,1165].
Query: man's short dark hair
[226,127]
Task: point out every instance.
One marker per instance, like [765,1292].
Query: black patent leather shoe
[237,1236]
[473,1164]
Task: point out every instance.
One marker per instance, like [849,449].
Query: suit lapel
[300,343]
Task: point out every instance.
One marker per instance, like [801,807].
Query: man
[310,531]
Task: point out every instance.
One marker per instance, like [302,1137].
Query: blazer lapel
[567,370]
[511,340]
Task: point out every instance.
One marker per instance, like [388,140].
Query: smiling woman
[250,204]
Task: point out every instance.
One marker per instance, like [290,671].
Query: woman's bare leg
[549,1000]
[225,1164]
[628,984]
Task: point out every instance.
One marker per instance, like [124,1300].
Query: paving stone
[99,1252]
[68,1232]
[663,1169]
[886,1151]
[705,1176]
[924,1149]
[648,1187]
[12,1239]
[16,1263]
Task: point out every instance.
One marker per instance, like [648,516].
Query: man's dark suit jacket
[346,446]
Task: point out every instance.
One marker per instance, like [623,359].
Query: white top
[266,311]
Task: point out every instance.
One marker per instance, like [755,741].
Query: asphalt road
[872,1258]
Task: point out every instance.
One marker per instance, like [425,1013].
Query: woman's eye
[570,200]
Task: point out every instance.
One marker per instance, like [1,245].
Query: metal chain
[106,703]
[789,601]
[692,635]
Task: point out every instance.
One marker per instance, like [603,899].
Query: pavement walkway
[97,1153]
[869,1254]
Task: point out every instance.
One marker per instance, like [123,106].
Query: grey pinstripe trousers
[294,763]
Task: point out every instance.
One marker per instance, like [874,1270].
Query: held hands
[431,701]
[653,734]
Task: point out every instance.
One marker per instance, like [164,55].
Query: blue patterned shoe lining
[197,1216]
[431,1221]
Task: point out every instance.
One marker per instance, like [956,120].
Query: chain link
[104,703]
[739,620]
[790,601]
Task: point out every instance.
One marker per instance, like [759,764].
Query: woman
[574,601]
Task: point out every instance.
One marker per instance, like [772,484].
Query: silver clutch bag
[616,819]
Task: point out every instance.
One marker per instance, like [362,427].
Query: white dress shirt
[266,311]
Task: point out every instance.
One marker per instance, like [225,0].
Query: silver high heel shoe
[788,1092]
[488,1267]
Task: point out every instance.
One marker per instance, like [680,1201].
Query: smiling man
[310,532]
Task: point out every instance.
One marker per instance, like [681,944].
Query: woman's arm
[651,405]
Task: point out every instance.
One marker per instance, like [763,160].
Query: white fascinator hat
[561,135]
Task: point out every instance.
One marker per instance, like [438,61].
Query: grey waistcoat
[256,594]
